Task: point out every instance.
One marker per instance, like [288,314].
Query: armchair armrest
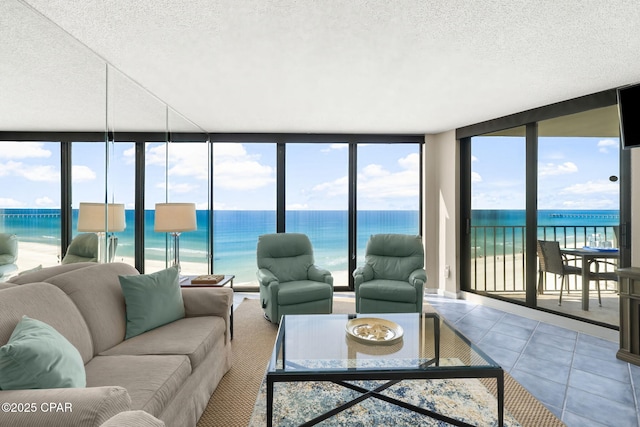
[91,406]
[364,273]
[265,277]
[320,275]
[418,275]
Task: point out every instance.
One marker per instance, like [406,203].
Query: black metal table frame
[393,376]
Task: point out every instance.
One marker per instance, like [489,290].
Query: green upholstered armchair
[289,281]
[83,248]
[393,277]
[8,254]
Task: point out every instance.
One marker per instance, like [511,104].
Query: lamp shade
[91,217]
[175,217]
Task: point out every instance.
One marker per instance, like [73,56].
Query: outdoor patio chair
[290,282]
[552,260]
[393,276]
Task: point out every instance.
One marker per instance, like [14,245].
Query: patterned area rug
[466,400]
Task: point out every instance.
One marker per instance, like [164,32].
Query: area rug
[466,400]
[232,403]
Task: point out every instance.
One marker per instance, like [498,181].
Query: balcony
[498,269]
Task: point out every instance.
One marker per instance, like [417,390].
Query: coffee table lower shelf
[392,378]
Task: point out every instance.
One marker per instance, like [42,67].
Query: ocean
[236,232]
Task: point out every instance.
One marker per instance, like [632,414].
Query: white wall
[441,230]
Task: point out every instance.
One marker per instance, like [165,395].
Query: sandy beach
[32,255]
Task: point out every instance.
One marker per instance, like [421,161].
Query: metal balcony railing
[497,254]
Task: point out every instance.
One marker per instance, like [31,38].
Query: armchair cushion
[83,248]
[301,291]
[389,290]
[394,256]
[288,257]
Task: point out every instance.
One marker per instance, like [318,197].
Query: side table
[185,282]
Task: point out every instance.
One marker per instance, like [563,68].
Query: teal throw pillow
[152,300]
[38,356]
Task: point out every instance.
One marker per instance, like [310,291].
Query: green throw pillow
[38,356]
[152,300]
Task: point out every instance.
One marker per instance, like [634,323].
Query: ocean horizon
[236,232]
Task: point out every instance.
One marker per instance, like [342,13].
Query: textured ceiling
[403,66]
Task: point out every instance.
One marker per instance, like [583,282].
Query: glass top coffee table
[392,347]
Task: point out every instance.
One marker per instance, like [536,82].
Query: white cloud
[592,188]
[335,147]
[6,202]
[552,169]
[44,201]
[297,206]
[39,173]
[377,184]
[234,169]
[333,188]
[606,144]
[474,159]
[476,177]
[182,188]
[82,173]
[23,150]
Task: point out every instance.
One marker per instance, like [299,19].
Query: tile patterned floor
[574,374]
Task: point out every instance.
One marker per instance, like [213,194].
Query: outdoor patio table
[588,256]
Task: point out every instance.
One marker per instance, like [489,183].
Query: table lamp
[175,218]
[91,218]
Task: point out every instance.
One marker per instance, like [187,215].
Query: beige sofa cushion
[47,303]
[133,419]
[96,292]
[191,336]
[152,381]
[45,273]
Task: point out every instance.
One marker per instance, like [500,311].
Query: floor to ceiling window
[388,191]
[30,202]
[244,206]
[558,178]
[498,213]
[578,200]
[317,202]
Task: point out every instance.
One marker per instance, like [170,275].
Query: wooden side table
[185,282]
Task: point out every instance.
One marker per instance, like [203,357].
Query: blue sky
[573,173]
[244,175]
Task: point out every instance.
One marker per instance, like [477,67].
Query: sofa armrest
[91,406]
[133,419]
[318,274]
[266,277]
[207,301]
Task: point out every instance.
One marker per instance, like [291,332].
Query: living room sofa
[164,376]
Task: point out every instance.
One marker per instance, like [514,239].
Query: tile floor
[573,373]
